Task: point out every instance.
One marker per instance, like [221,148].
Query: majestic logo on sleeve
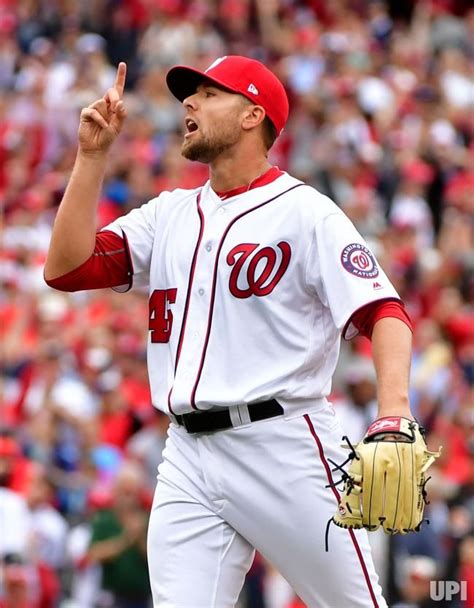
[264,269]
[359,261]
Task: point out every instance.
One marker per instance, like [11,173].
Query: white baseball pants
[262,486]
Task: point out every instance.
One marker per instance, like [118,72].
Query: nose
[190,102]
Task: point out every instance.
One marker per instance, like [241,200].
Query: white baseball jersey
[248,295]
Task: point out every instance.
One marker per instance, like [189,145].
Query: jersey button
[201,291]
[221,210]
[209,247]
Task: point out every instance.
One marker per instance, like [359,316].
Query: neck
[227,174]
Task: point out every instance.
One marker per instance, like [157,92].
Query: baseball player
[252,280]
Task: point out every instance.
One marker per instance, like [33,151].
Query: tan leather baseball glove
[385,483]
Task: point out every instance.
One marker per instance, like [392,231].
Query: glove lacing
[346,478]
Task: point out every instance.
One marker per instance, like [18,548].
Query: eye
[210,94]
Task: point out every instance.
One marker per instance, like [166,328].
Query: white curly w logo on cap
[215,63]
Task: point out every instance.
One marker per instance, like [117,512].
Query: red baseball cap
[242,75]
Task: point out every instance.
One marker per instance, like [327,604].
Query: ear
[252,117]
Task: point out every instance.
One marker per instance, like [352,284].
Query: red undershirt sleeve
[366,317]
[109,266]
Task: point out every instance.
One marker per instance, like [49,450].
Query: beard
[206,148]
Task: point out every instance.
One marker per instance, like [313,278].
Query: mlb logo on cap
[237,74]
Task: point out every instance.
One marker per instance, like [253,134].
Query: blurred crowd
[382,106]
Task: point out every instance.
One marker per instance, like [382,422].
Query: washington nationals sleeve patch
[359,261]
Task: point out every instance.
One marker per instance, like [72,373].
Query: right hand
[102,121]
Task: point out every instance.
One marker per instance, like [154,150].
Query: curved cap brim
[183,81]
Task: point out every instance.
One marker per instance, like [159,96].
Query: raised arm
[74,229]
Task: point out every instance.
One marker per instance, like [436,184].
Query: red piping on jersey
[338,498]
[214,281]
[131,270]
[188,295]
[110,265]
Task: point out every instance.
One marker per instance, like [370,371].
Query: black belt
[217,420]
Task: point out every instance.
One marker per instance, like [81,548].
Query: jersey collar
[269,176]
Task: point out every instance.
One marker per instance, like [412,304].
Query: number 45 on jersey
[160,316]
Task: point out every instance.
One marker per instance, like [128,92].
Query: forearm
[391,351]
[73,238]
[74,230]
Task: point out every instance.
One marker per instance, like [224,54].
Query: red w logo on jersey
[261,278]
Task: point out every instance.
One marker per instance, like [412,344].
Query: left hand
[385,485]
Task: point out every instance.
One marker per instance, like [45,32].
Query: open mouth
[191,127]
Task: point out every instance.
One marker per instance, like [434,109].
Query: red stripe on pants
[338,498]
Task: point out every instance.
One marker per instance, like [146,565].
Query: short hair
[269,133]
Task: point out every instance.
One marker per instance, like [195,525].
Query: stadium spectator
[118,540]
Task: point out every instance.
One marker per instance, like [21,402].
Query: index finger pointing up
[120,77]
